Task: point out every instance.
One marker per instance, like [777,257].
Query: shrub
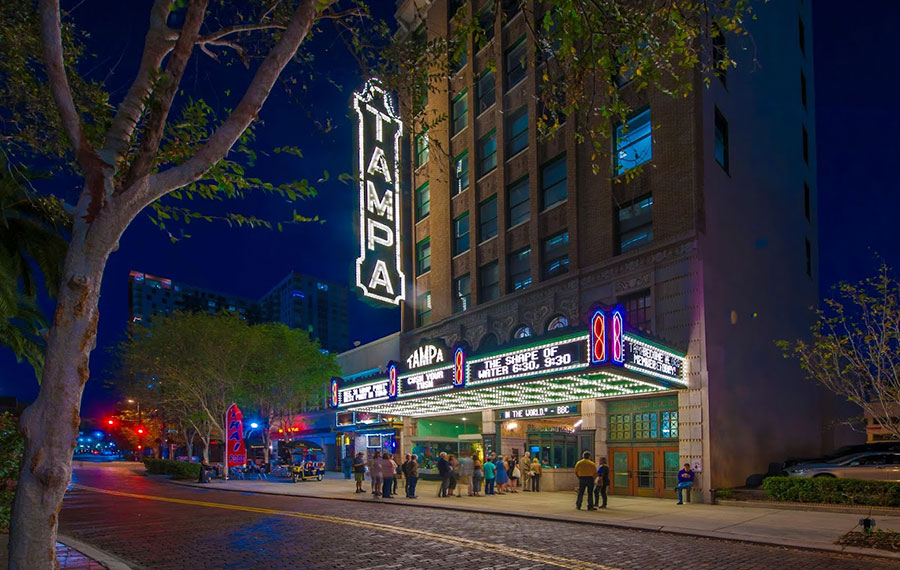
[177,469]
[724,493]
[834,491]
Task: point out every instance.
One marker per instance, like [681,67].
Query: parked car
[877,466]
[883,446]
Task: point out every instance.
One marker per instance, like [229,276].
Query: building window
[489,282]
[646,425]
[423,256]
[557,322]
[487,218]
[486,91]
[461,234]
[721,140]
[803,89]
[669,424]
[556,254]
[519,202]
[522,331]
[459,61]
[805,145]
[461,172]
[553,182]
[511,8]
[620,427]
[519,269]
[801,35]
[421,149]
[486,22]
[515,63]
[808,258]
[462,294]
[638,310]
[806,206]
[487,153]
[720,64]
[517,131]
[634,142]
[460,112]
[635,223]
[423,201]
[423,313]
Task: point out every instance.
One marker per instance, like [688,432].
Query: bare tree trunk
[50,424]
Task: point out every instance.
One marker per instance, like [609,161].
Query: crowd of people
[497,475]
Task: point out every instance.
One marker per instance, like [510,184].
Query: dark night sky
[856,145]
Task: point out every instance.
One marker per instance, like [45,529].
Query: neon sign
[459,368]
[392,380]
[598,338]
[425,355]
[335,395]
[378,270]
[549,357]
[616,336]
[649,359]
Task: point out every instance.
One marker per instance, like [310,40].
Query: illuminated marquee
[378,271]
[647,358]
[549,357]
[538,412]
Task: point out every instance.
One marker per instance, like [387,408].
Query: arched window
[557,322]
[488,341]
[522,331]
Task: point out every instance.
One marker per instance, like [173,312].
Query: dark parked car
[844,451]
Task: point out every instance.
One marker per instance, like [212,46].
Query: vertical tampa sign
[378,270]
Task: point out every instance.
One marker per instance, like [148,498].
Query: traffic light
[110,421]
[140,431]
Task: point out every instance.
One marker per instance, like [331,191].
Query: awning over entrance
[604,363]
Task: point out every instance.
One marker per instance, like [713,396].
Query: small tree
[854,349]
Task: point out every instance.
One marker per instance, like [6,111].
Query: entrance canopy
[606,362]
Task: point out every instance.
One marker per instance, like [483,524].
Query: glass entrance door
[644,471]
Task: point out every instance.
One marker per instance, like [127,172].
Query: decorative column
[410,429]
[593,417]
[690,440]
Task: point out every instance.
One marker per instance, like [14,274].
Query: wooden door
[644,471]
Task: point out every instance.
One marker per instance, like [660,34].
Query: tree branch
[169,83]
[234,126]
[158,44]
[209,38]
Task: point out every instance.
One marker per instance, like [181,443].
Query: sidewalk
[72,555]
[793,528]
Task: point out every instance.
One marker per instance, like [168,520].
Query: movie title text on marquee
[529,361]
[431,380]
[364,392]
[378,271]
[642,356]
[538,412]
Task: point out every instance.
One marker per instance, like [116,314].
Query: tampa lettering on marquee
[378,271]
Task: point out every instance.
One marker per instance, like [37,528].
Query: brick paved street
[287,532]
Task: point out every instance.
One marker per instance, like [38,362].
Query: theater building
[512,250]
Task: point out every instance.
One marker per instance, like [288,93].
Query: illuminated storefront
[538,397]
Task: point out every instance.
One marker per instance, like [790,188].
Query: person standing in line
[685,481]
[536,475]
[490,472]
[398,474]
[359,471]
[502,477]
[388,469]
[375,474]
[525,468]
[454,475]
[514,473]
[585,470]
[444,473]
[466,469]
[347,465]
[404,468]
[412,476]
[601,483]
[477,476]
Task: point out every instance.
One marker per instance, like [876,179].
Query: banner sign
[551,357]
[378,270]
[649,359]
[539,412]
[237,453]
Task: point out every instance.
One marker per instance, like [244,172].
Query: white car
[876,466]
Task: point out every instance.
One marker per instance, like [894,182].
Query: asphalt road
[153,524]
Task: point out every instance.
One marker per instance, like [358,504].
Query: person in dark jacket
[359,471]
[444,473]
[412,476]
[601,483]
[685,481]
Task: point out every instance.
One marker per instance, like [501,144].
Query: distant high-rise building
[299,301]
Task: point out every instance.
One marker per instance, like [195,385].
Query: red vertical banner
[234,445]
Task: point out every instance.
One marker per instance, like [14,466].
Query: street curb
[819,547]
[103,557]
[813,507]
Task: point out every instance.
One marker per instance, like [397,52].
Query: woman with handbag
[514,474]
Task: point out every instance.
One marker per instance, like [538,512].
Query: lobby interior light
[511,426]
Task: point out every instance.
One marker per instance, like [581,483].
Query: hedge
[833,491]
[177,469]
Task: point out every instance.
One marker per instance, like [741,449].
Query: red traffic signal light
[110,421]
[140,430]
